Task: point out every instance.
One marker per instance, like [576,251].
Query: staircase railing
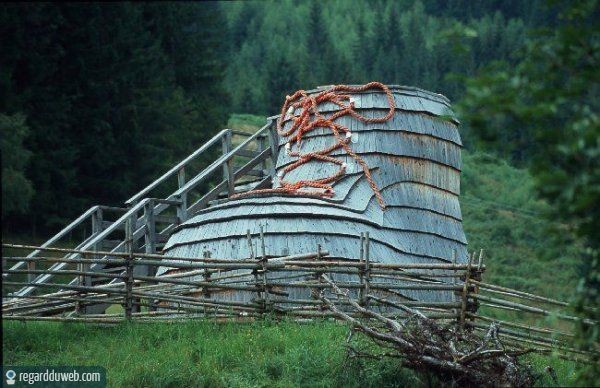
[93,215]
[148,222]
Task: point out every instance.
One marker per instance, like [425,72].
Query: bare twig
[422,344]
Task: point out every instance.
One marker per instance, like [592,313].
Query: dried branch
[424,345]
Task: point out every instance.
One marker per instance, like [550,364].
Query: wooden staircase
[145,223]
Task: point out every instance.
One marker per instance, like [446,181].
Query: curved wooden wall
[415,160]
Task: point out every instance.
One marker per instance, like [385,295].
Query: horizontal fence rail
[203,287]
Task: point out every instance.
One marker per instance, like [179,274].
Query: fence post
[361,271]
[97,227]
[150,244]
[129,229]
[206,276]
[479,265]
[81,281]
[454,292]
[129,287]
[84,280]
[255,270]
[465,291]
[477,275]
[367,268]
[318,274]
[314,292]
[264,269]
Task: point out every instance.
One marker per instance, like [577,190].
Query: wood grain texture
[414,159]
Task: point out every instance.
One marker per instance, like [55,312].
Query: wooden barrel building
[414,159]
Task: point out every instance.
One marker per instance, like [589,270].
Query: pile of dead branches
[448,352]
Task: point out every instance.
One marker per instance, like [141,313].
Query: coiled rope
[310,118]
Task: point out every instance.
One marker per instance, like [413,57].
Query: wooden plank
[227,166]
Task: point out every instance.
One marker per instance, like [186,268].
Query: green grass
[201,353]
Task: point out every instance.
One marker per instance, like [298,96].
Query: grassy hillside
[205,354]
[502,215]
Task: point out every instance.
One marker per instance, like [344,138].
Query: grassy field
[201,354]
[261,354]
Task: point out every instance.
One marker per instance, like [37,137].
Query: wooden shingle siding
[414,159]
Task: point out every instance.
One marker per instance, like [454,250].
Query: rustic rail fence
[254,287]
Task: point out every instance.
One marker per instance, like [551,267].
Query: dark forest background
[97,100]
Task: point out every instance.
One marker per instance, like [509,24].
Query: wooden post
[479,265]
[454,254]
[97,220]
[361,271]
[129,288]
[81,281]
[31,267]
[150,231]
[367,268]
[476,272]
[84,280]
[314,292]
[264,267]
[97,227]
[465,292]
[273,143]
[206,276]
[150,244]
[252,257]
[262,145]
[129,229]
[182,207]
[228,166]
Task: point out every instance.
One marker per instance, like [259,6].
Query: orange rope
[302,123]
